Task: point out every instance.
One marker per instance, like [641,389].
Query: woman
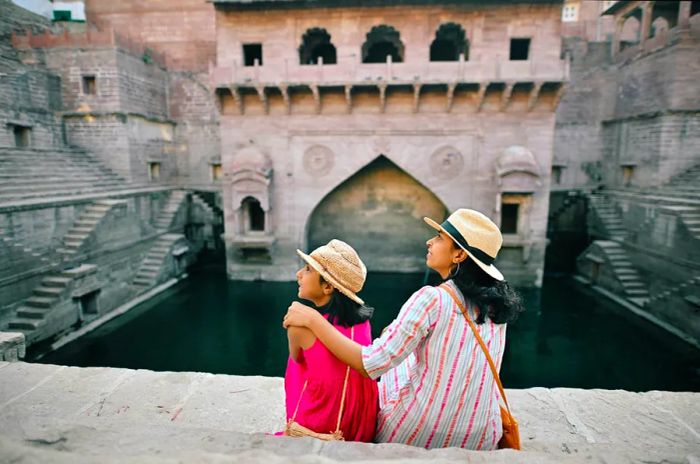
[319,388]
[436,387]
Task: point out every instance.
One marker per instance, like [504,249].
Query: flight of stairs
[609,216]
[172,206]
[677,290]
[151,266]
[84,226]
[634,287]
[37,173]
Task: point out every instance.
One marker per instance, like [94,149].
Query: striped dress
[436,387]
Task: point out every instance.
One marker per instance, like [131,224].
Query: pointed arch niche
[379,211]
[249,186]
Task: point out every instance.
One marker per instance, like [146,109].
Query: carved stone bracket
[285,97]
[317,98]
[534,95]
[416,96]
[382,97]
[237,98]
[348,98]
[481,95]
[450,96]
[505,96]
[263,98]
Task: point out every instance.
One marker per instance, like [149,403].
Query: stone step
[84,230]
[40,302]
[143,281]
[92,215]
[633,284]
[636,292]
[74,244]
[147,273]
[48,291]
[31,313]
[75,237]
[149,268]
[24,324]
[56,281]
[86,224]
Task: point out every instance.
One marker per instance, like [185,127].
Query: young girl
[315,379]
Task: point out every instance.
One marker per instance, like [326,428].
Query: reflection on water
[567,338]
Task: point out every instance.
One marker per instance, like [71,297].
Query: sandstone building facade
[354,122]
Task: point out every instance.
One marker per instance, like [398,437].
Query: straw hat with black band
[339,265]
[476,234]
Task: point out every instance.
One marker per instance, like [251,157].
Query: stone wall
[197,143]
[115,248]
[183,30]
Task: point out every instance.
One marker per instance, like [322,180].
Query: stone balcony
[536,76]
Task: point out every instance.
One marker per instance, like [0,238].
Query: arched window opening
[315,44]
[659,27]
[450,41]
[630,32]
[254,215]
[382,41]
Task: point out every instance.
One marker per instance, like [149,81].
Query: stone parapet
[66,414]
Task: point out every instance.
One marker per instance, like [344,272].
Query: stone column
[615,45]
[684,14]
[645,28]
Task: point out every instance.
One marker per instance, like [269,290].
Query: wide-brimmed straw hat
[476,234]
[340,265]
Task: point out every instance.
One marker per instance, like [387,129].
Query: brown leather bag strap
[345,385]
[342,398]
[480,340]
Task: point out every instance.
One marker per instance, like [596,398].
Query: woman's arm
[299,338]
[348,351]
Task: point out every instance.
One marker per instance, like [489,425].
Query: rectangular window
[569,13]
[215,172]
[627,175]
[519,49]
[89,85]
[88,303]
[509,218]
[23,136]
[556,174]
[154,171]
[62,15]
[251,54]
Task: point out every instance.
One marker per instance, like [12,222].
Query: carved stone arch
[251,173]
[315,43]
[382,41]
[450,42]
[377,210]
[517,170]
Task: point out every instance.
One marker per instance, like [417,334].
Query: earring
[455,273]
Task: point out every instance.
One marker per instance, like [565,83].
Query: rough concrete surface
[67,414]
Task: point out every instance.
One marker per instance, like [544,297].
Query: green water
[567,338]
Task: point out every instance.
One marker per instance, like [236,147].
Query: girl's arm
[346,350]
[299,338]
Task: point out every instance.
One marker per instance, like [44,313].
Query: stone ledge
[67,414]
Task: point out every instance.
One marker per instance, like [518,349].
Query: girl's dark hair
[343,311]
[494,298]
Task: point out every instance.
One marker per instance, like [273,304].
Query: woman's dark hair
[494,298]
[343,311]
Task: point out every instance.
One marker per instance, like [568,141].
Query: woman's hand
[299,315]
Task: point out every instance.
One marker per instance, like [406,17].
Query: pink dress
[318,409]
